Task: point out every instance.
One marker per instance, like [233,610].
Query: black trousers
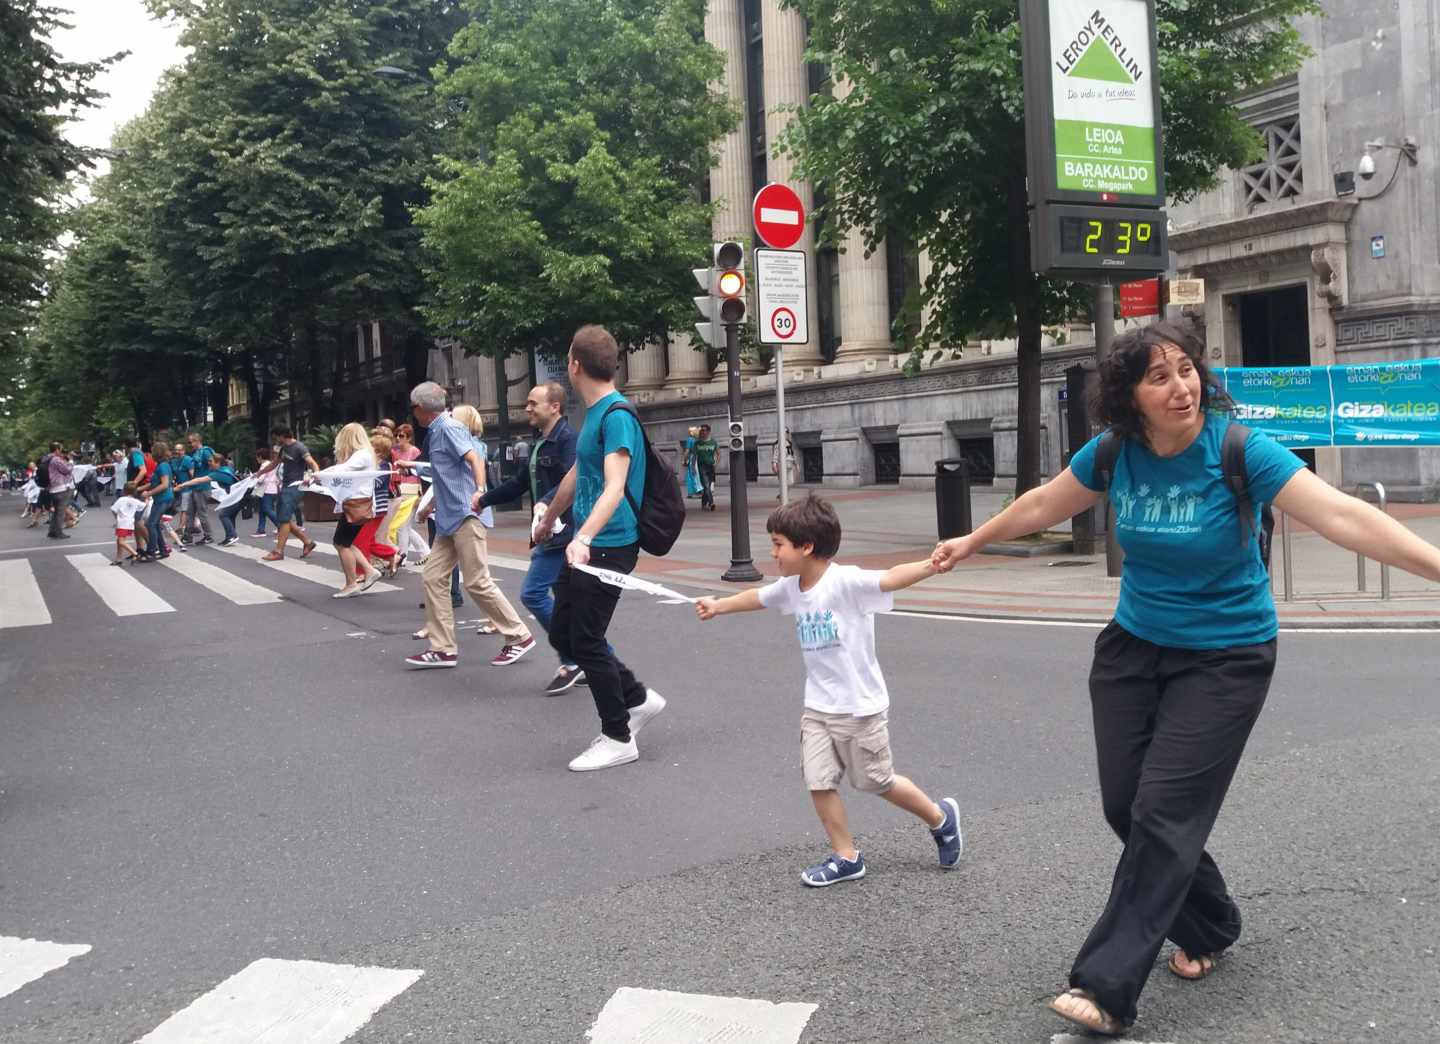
[584,605]
[1170,726]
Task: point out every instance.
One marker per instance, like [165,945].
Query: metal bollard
[1379,488]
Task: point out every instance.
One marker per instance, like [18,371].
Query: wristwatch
[582,538]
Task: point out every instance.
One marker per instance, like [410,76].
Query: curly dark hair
[1112,403]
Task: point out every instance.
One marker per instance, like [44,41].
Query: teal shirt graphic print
[1190,581]
[819,630]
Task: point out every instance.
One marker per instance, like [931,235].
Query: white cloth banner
[235,495]
[634,583]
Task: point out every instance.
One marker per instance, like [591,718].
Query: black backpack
[1232,467]
[660,515]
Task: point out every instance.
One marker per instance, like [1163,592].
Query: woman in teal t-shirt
[1181,673]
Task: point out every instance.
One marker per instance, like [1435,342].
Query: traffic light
[724,286]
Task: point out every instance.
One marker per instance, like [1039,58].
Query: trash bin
[952,498]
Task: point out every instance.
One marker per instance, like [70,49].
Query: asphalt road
[189,791]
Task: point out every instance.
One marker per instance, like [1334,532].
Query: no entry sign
[780,291]
[779,216]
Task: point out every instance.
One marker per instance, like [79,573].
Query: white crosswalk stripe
[632,1015]
[305,570]
[21,603]
[117,588]
[285,1002]
[223,582]
[25,960]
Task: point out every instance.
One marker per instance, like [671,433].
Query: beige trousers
[467,547]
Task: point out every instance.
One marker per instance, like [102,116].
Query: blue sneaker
[834,870]
[947,835]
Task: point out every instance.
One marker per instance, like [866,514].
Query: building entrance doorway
[1275,331]
[1275,328]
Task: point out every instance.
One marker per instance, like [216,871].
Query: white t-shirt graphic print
[835,623]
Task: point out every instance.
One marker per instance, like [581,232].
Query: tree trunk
[259,395]
[219,389]
[321,410]
[502,383]
[1025,295]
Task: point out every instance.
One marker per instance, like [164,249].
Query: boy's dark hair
[596,352]
[809,521]
[284,433]
[704,427]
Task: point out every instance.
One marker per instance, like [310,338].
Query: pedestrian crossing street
[282,1001]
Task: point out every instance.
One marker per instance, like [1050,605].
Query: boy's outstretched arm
[744,602]
[899,577]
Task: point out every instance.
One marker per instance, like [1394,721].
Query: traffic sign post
[781,293]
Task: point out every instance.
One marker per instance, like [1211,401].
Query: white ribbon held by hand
[634,583]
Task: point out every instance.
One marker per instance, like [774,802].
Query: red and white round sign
[782,324]
[779,216]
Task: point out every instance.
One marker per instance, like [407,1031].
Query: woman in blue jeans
[267,488]
[161,496]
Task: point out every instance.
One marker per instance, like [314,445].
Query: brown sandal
[1205,960]
[272,556]
[1096,1019]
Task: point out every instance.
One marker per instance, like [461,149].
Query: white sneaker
[641,715]
[605,752]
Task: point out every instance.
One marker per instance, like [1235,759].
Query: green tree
[39,93]
[929,144]
[281,172]
[570,195]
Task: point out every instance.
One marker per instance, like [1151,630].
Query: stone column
[517,366]
[730,180]
[687,365]
[864,292]
[787,86]
[485,396]
[646,368]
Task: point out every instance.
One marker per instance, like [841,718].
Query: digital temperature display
[1108,237]
[1080,242]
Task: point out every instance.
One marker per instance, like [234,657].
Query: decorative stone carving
[1326,263]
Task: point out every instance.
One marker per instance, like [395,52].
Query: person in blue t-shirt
[182,469]
[219,474]
[160,493]
[607,478]
[201,461]
[1181,673]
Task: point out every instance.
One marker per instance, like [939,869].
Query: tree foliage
[929,143]
[570,192]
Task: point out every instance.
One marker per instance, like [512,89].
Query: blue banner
[1383,404]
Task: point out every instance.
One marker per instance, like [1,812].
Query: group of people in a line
[1177,682]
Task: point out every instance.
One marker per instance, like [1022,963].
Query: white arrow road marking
[634,1016]
[21,603]
[780,217]
[285,1002]
[25,960]
[118,588]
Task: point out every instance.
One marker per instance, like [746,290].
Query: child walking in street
[844,730]
[125,510]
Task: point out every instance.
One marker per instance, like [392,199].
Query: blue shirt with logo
[200,459]
[182,469]
[1190,582]
[622,431]
[162,472]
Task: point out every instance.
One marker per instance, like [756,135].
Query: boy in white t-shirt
[125,509]
[844,729]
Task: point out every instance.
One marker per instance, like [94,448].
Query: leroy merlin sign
[1092,101]
[1103,110]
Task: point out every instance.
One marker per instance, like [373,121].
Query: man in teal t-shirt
[606,484]
[198,505]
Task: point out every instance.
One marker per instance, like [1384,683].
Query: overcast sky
[102,27]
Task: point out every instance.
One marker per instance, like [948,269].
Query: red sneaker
[512,652]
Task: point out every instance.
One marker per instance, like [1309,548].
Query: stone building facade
[1284,246]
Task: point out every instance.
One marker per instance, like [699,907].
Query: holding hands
[705,608]
[948,552]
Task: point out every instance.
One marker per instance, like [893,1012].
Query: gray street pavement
[192,789]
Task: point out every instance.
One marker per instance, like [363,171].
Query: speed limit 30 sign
[780,293]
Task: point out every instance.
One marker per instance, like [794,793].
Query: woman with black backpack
[1180,675]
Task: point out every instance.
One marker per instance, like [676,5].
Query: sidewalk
[886,526]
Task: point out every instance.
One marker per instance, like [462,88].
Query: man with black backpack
[608,488]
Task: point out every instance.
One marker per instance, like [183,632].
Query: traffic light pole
[742,568]
[1104,338]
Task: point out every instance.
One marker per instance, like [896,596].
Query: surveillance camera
[1366,167]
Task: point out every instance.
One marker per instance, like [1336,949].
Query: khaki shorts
[835,745]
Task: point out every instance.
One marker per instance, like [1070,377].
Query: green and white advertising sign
[1103,97]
